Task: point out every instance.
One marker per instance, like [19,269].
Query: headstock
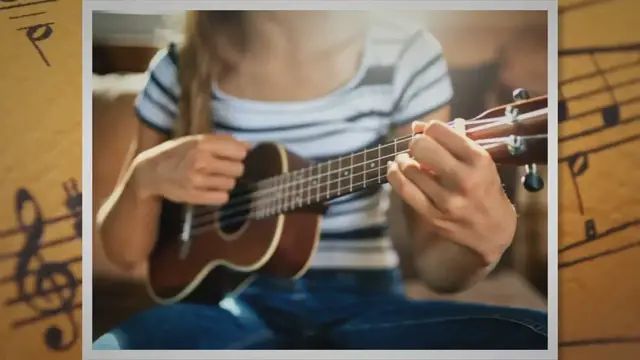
[515,134]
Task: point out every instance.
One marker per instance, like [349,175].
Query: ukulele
[271,223]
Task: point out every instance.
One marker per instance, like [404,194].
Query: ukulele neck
[511,128]
[328,180]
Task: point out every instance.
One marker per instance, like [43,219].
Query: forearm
[127,223]
[443,265]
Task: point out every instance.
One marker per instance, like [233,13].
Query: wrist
[140,178]
[503,237]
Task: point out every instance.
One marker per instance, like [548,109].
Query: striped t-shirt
[402,77]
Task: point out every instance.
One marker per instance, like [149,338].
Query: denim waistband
[344,281]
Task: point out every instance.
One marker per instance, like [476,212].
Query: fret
[326,180]
[345,175]
[314,185]
[403,145]
[273,196]
[338,176]
[388,154]
[299,188]
[256,201]
[372,167]
[295,192]
[379,167]
[278,185]
[293,181]
[268,196]
[365,168]
[285,191]
[358,171]
[351,173]
[308,184]
[288,191]
[333,178]
[292,186]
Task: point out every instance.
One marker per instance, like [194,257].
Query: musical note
[578,165]
[36,33]
[50,288]
[74,204]
[590,230]
[611,115]
[591,234]
[562,110]
[607,146]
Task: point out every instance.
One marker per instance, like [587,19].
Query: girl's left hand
[454,185]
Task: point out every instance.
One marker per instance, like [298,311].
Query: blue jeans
[330,310]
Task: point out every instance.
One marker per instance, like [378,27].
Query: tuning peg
[532,181]
[520,94]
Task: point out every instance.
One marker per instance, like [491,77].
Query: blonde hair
[201,61]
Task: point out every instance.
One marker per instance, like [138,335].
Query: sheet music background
[599,203]
[40,194]
[41,139]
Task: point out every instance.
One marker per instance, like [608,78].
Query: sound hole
[235,213]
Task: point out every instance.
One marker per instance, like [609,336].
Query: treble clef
[46,276]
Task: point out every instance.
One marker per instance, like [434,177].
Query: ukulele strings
[209,219]
[264,194]
[269,188]
[238,200]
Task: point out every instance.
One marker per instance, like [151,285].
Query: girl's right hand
[198,169]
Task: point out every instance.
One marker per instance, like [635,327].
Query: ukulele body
[223,259]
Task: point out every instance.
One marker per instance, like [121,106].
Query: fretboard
[326,180]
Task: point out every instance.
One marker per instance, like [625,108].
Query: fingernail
[389,164]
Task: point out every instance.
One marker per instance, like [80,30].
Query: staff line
[601,235]
[599,49]
[585,3]
[595,74]
[73,260]
[600,341]
[53,290]
[597,149]
[596,110]
[34,319]
[49,244]
[606,88]
[7,7]
[601,254]
[596,130]
[50,221]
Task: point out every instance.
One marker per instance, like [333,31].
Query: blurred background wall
[490,53]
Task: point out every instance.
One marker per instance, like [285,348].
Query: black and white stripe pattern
[403,76]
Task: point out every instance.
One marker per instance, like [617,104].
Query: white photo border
[170,6]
